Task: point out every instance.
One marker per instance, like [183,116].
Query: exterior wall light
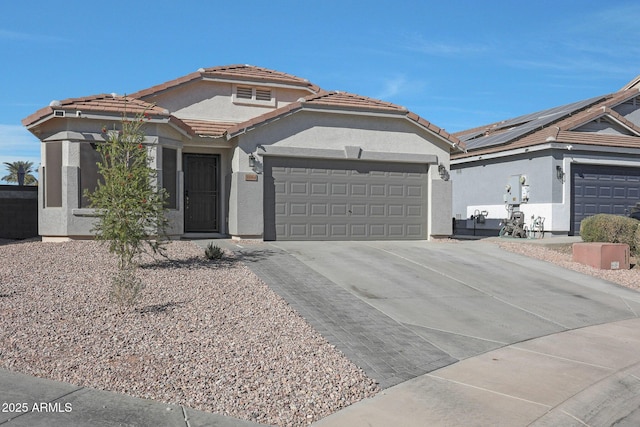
[252,161]
[442,171]
[559,173]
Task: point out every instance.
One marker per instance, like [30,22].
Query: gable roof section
[245,73]
[102,104]
[553,125]
[346,102]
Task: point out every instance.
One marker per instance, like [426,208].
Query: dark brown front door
[201,191]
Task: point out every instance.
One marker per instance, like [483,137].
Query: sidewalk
[588,376]
[34,402]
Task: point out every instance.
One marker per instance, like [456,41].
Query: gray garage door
[602,189]
[309,199]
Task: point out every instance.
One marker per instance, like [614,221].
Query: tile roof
[247,73]
[319,99]
[103,103]
[208,129]
[350,101]
[259,74]
[547,126]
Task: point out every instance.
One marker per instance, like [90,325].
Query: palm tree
[18,168]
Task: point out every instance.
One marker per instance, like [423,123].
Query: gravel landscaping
[562,255]
[207,335]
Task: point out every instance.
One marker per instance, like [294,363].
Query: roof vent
[58,113]
[201,70]
[54,103]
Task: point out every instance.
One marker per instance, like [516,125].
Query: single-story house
[563,164]
[249,152]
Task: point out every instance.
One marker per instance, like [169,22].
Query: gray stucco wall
[483,182]
[308,131]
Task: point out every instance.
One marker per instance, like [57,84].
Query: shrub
[213,252]
[130,208]
[611,229]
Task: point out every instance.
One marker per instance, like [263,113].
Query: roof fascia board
[542,147]
[338,110]
[437,135]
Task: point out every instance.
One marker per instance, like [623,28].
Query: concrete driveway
[463,298]
[466,298]
[464,333]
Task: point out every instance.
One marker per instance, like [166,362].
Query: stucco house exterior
[566,163]
[249,152]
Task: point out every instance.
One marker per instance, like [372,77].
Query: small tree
[14,169]
[129,204]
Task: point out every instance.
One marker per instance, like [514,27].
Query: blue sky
[458,64]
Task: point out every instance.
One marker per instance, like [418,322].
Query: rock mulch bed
[207,335]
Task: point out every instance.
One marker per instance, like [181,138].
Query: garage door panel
[298,230]
[396,210]
[378,190]
[339,209]
[319,209]
[299,188]
[338,230]
[602,189]
[358,190]
[339,189]
[358,210]
[299,209]
[377,210]
[415,210]
[319,189]
[343,200]
[319,230]
[396,190]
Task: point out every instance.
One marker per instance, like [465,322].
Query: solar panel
[525,124]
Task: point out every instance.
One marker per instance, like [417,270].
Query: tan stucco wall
[209,100]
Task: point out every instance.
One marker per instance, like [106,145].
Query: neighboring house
[249,152]
[571,162]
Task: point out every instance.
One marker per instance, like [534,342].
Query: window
[169,176]
[89,176]
[53,175]
[254,96]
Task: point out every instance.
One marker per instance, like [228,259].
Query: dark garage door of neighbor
[318,199]
[602,189]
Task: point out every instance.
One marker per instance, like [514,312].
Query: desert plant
[213,252]
[129,206]
[611,229]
